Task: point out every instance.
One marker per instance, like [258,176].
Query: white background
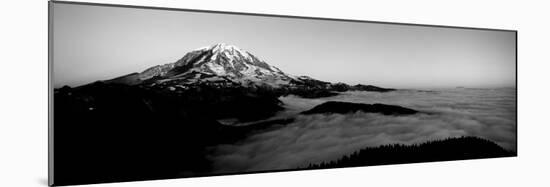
[23,95]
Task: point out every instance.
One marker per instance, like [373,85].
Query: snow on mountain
[227,66]
[224,61]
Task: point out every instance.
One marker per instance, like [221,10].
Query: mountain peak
[219,47]
[222,60]
[224,46]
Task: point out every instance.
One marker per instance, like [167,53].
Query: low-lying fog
[487,113]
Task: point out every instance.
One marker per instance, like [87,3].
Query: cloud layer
[314,138]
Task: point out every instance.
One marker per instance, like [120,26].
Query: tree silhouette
[437,150]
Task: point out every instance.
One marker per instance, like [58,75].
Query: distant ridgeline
[345,107]
[460,148]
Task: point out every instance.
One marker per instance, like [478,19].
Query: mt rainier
[223,66]
[218,63]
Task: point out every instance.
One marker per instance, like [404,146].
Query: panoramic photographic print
[146,93]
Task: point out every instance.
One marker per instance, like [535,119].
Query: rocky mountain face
[219,63]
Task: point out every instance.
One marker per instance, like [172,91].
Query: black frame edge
[50,95]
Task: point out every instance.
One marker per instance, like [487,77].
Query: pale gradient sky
[96,43]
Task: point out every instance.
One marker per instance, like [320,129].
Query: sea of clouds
[486,113]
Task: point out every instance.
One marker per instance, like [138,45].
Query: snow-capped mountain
[223,66]
[220,62]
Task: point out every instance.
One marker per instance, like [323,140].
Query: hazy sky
[96,43]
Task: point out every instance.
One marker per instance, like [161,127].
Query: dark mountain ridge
[346,107]
[456,148]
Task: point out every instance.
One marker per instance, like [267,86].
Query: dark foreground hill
[439,150]
[113,132]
